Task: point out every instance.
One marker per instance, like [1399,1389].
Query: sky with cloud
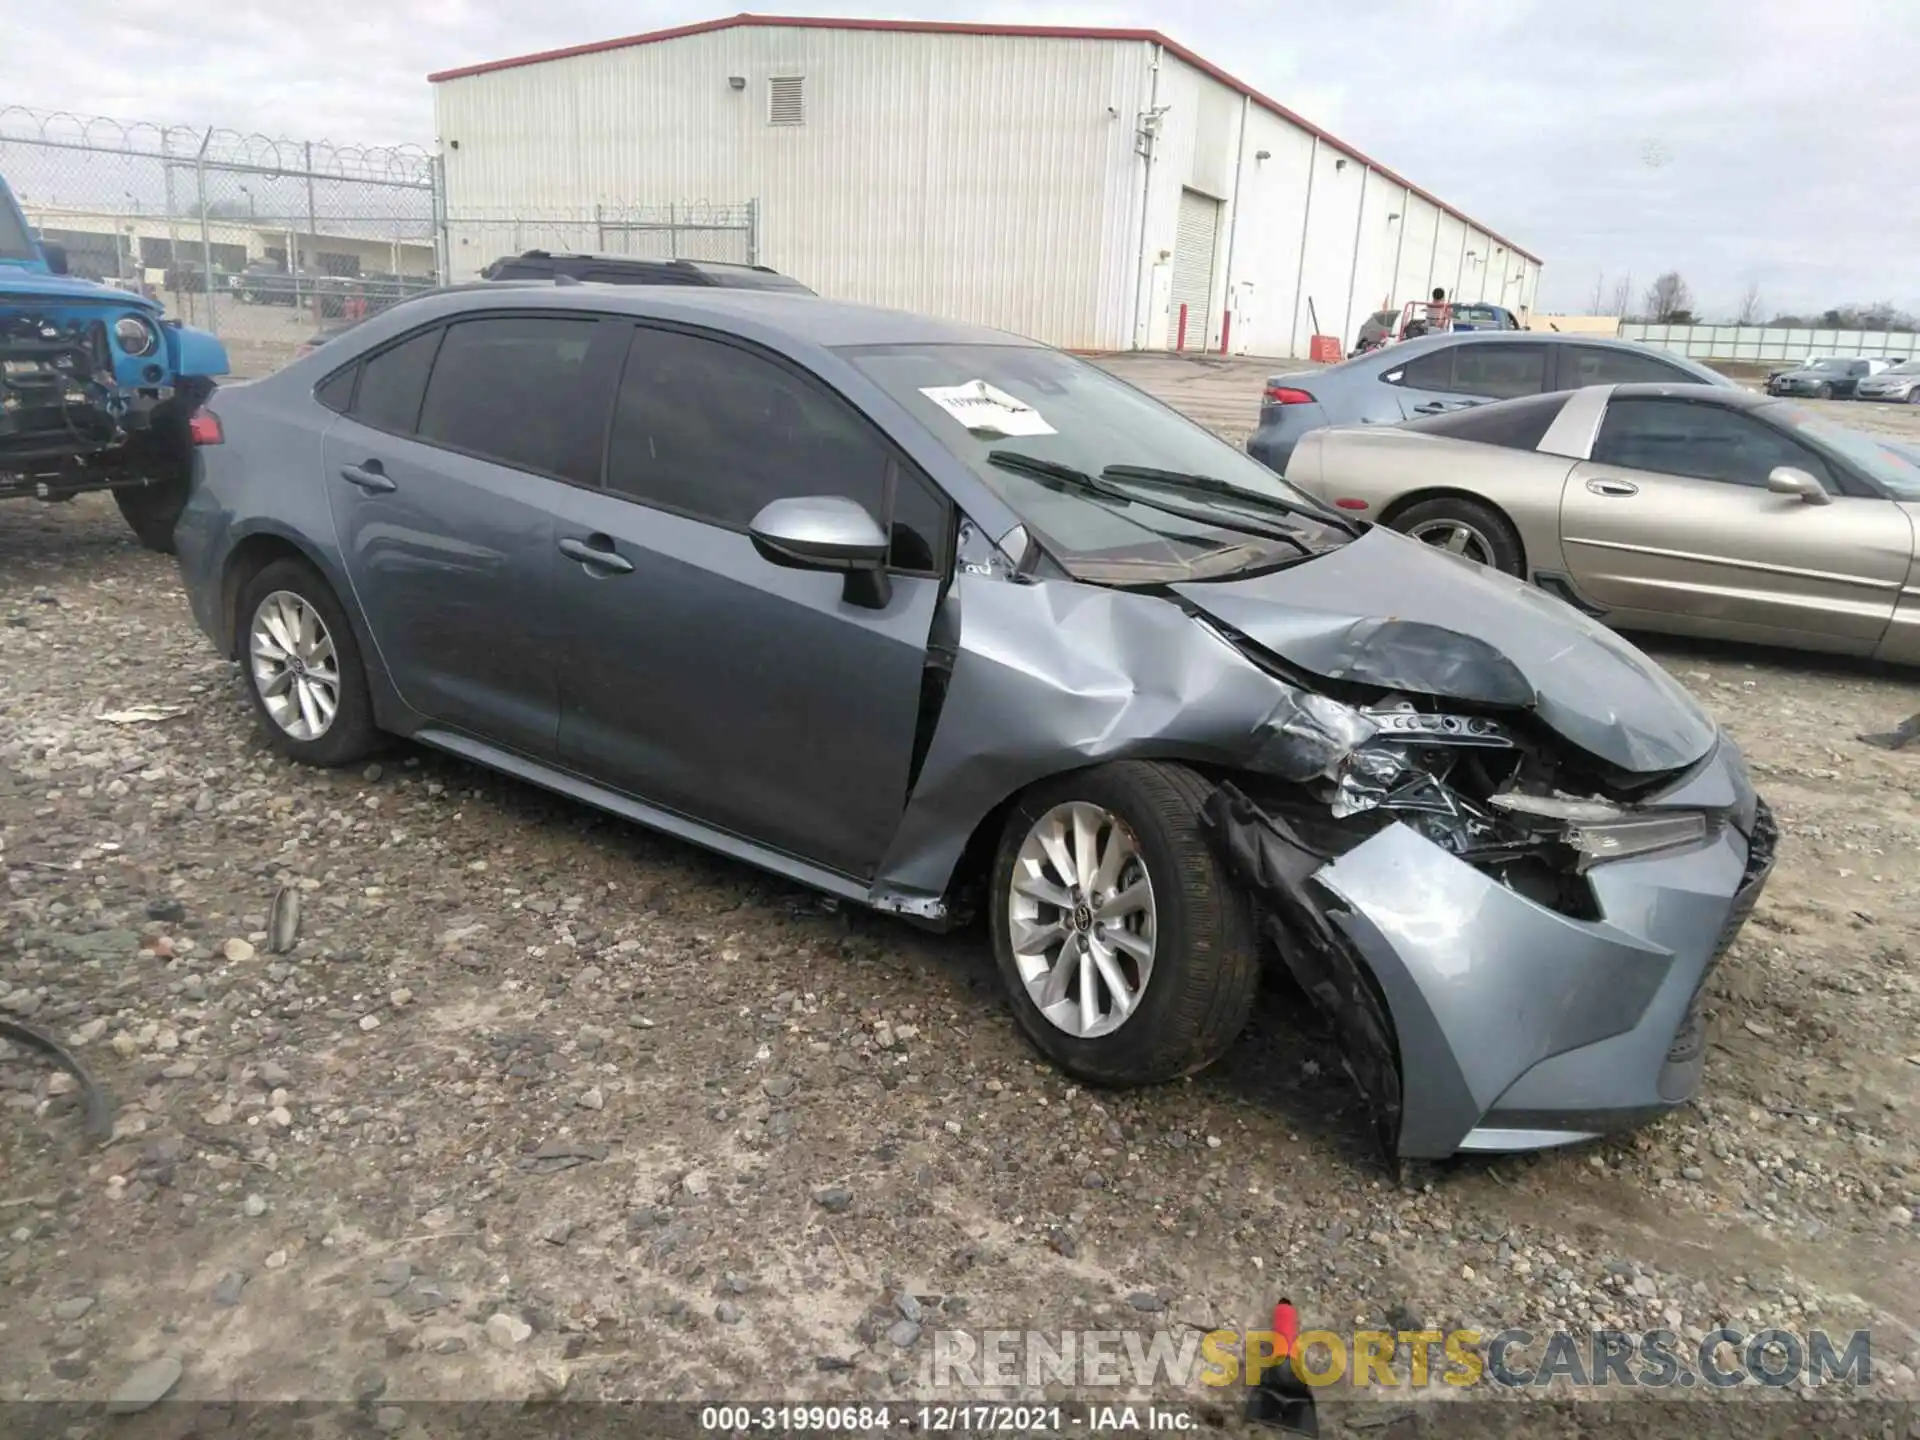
[1773,143]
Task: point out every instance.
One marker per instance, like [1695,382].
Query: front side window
[1702,442]
[15,242]
[1895,466]
[507,388]
[1599,365]
[1040,405]
[717,432]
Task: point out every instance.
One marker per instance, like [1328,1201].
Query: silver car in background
[1441,373]
[1899,385]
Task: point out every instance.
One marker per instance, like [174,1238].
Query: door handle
[369,477]
[597,553]
[1613,487]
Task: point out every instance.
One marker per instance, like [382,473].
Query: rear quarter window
[1512,424]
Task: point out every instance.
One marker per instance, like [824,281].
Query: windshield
[1829,365]
[1049,407]
[1894,467]
[1905,367]
[15,242]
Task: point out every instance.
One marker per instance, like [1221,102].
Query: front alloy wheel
[1129,955]
[296,669]
[1080,917]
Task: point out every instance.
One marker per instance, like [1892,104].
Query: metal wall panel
[968,176]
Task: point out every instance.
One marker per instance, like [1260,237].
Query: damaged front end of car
[1502,849]
[1510,937]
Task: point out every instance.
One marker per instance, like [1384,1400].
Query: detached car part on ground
[97,389]
[1686,509]
[931,618]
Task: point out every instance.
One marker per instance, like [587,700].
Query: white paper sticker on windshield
[985,409]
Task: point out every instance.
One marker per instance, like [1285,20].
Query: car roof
[805,319]
[1736,399]
[603,257]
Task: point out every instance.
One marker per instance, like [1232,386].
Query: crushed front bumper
[1474,1018]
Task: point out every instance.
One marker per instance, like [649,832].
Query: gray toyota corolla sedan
[936,619]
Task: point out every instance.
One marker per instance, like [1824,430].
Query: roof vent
[787,100]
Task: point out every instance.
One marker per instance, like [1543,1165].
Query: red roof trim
[1029,32]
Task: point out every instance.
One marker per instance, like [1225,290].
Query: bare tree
[1622,299]
[1599,296]
[1668,300]
[1749,313]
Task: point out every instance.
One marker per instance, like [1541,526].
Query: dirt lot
[540,1102]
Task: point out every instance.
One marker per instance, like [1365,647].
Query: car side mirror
[1791,480]
[55,255]
[827,532]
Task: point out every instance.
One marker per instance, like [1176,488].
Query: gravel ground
[540,1103]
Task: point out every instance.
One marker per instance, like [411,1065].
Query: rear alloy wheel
[1823,391]
[1467,528]
[303,667]
[1913,396]
[1128,955]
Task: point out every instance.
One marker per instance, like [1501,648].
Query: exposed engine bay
[63,417]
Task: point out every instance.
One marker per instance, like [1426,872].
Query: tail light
[1285,395]
[204,428]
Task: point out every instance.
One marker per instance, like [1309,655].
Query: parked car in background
[1898,384]
[269,282]
[1378,330]
[98,389]
[926,616]
[1829,378]
[1438,373]
[1694,510]
[634,270]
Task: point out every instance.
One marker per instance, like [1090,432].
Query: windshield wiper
[1097,485]
[1211,485]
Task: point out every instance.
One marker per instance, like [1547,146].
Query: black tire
[352,734]
[1206,953]
[162,456]
[1501,540]
[1913,396]
[1823,391]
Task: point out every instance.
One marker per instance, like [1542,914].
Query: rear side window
[1499,371]
[1512,424]
[392,382]
[1598,365]
[508,388]
[1495,371]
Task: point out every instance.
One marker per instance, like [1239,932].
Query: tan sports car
[1686,509]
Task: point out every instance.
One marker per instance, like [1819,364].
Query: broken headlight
[1600,831]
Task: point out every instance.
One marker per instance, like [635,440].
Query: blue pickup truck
[98,389]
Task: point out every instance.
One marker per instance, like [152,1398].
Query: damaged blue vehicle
[951,624]
[98,390]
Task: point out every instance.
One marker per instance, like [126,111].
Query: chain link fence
[267,242]
[259,239]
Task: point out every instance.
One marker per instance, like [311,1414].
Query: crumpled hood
[18,283]
[1392,612]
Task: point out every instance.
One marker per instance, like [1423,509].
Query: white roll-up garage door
[1193,268]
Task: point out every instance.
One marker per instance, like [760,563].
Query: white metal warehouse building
[1091,188]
